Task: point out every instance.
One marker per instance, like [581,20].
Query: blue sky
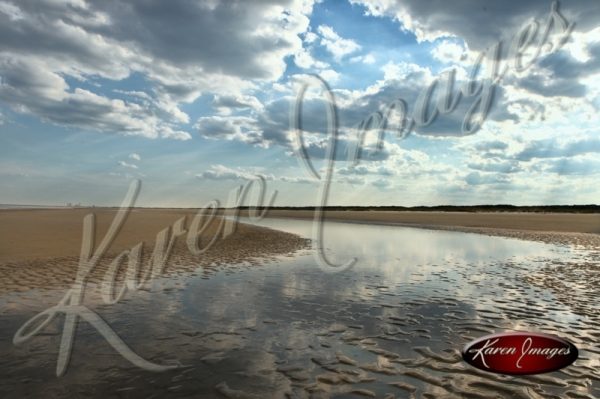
[193,99]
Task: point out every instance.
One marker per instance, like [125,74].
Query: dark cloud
[241,38]
[551,149]
[30,88]
[562,65]
[498,167]
[480,23]
[180,49]
[552,87]
[409,87]
[559,74]
[566,166]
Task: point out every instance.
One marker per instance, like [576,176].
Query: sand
[555,228]
[40,248]
[293,329]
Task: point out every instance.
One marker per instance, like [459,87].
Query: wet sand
[555,228]
[40,248]
[391,327]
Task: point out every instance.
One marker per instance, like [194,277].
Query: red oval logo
[520,353]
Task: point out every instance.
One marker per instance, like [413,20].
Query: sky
[195,98]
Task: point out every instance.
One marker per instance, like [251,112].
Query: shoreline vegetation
[590,208]
[490,208]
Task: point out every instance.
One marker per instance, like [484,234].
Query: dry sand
[556,228]
[40,248]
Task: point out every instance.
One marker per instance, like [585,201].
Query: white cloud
[221,172]
[194,48]
[480,25]
[135,156]
[29,87]
[127,165]
[404,70]
[227,104]
[336,45]
[449,52]
[365,59]
[305,60]
[310,37]
[239,128]
[330,76]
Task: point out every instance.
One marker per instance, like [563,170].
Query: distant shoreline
[502,208]
[591,208]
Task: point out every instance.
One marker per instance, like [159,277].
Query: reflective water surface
[391,326]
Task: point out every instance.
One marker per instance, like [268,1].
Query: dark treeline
[453,208]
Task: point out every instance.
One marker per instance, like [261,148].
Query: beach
[40,248]
[256,317]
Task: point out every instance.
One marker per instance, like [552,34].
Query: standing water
[391,326]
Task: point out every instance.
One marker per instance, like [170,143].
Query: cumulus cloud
[226,104]
[29,87]
[304,59]
[367,169]
[365,59]
[338,46]
[480,24]
[182,49]
[135,156]
[270,123]
[499,167]
[449,52]
[221,172]
[579,166]
[562,74]
[238,128]
[550,148]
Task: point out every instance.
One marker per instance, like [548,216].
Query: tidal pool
[391,326]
